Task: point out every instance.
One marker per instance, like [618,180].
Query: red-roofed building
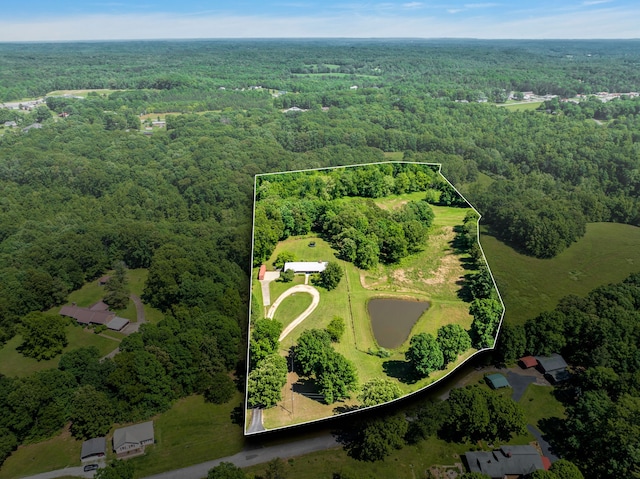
[263,270]
[528,362]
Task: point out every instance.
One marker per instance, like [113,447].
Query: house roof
[99,306]
[117,323]
[133,434]
[529,361]
[306,266]
[86,315]
[555,362]
[508,460]
[94,447]
[497,381]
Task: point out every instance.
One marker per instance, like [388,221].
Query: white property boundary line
[430,385]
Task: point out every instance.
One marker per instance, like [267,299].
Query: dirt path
[301,288]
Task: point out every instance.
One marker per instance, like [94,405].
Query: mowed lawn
[12,363]
[608,253]
[191,432]
[56,453]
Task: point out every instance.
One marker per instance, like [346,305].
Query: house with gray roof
[512,461]
[93,449]
[554,367]
[131,440]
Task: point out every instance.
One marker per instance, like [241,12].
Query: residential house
[130,441]
[307,267]
[93,449]
[508,461]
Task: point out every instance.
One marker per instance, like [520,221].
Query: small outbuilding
[263,270]
[497,381]
[93,449]
[527,362]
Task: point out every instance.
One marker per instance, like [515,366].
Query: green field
[432,274]
[56,453]
[292,307]
[192,431]
[539,402]
[12,363]
[520,106]
[608,253]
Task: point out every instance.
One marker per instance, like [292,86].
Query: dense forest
[88,189]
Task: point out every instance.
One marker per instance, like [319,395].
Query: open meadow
[608,253]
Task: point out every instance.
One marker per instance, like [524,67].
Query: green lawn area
[56,453]
[409,462]
[191,432]
[12,363]
[292,307]
[608,253]
[516,106]
[539,402]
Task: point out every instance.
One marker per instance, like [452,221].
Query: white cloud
[455,10]
[595,2]
[480,5]
[412,5]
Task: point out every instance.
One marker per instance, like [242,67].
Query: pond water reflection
[392,319]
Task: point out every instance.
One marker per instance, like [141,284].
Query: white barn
[306,266]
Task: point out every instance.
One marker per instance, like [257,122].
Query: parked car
[90,467]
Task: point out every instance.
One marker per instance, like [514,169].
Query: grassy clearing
[433,274]
[407,463]
[191,432]
[82,93]
[539,402]
[394,155]
[608,253]
[292,307]
[56,453]
[517,106]
[12,363]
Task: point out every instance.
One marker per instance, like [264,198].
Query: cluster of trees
[427,354]
[361,231]
[334,375]
[268,373]
[472,413]
[599,335]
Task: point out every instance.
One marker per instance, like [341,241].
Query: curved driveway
[300,288]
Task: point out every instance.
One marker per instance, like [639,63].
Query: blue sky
[59,20]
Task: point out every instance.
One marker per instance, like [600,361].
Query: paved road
[264,283]
[300,288]
[140,316]
[67,471]
[544,445]
[250,457]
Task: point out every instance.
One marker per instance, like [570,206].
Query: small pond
[392,319]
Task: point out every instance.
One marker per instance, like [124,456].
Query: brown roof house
[130,441]
[96,314]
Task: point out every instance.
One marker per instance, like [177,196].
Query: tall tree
[424,354]
[44,335]
[117,287]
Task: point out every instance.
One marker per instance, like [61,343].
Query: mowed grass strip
[608,253]
[192,431]
[407,463]
[56,453]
